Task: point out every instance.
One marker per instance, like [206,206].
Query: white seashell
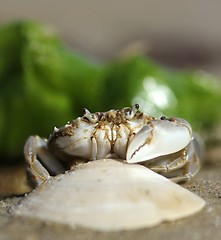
[108,195]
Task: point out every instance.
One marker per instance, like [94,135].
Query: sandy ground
[204,225]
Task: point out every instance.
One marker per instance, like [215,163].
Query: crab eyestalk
[134,109]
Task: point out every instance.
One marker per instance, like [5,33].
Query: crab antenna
[56,129]
[86,112]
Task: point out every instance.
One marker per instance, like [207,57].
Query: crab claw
[158,138]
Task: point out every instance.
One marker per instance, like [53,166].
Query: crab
[165,145]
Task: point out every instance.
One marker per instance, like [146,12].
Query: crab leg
[180,166]
[189,164]
[194,156]
[37,147]
[173,165]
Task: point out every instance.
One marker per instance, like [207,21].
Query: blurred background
[126,51]
[180,33]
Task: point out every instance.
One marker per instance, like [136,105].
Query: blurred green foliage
[44,84]
[193,95]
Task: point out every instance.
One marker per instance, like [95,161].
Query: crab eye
[136,107]
[163,118]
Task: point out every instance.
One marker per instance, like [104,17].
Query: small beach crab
[165,145]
